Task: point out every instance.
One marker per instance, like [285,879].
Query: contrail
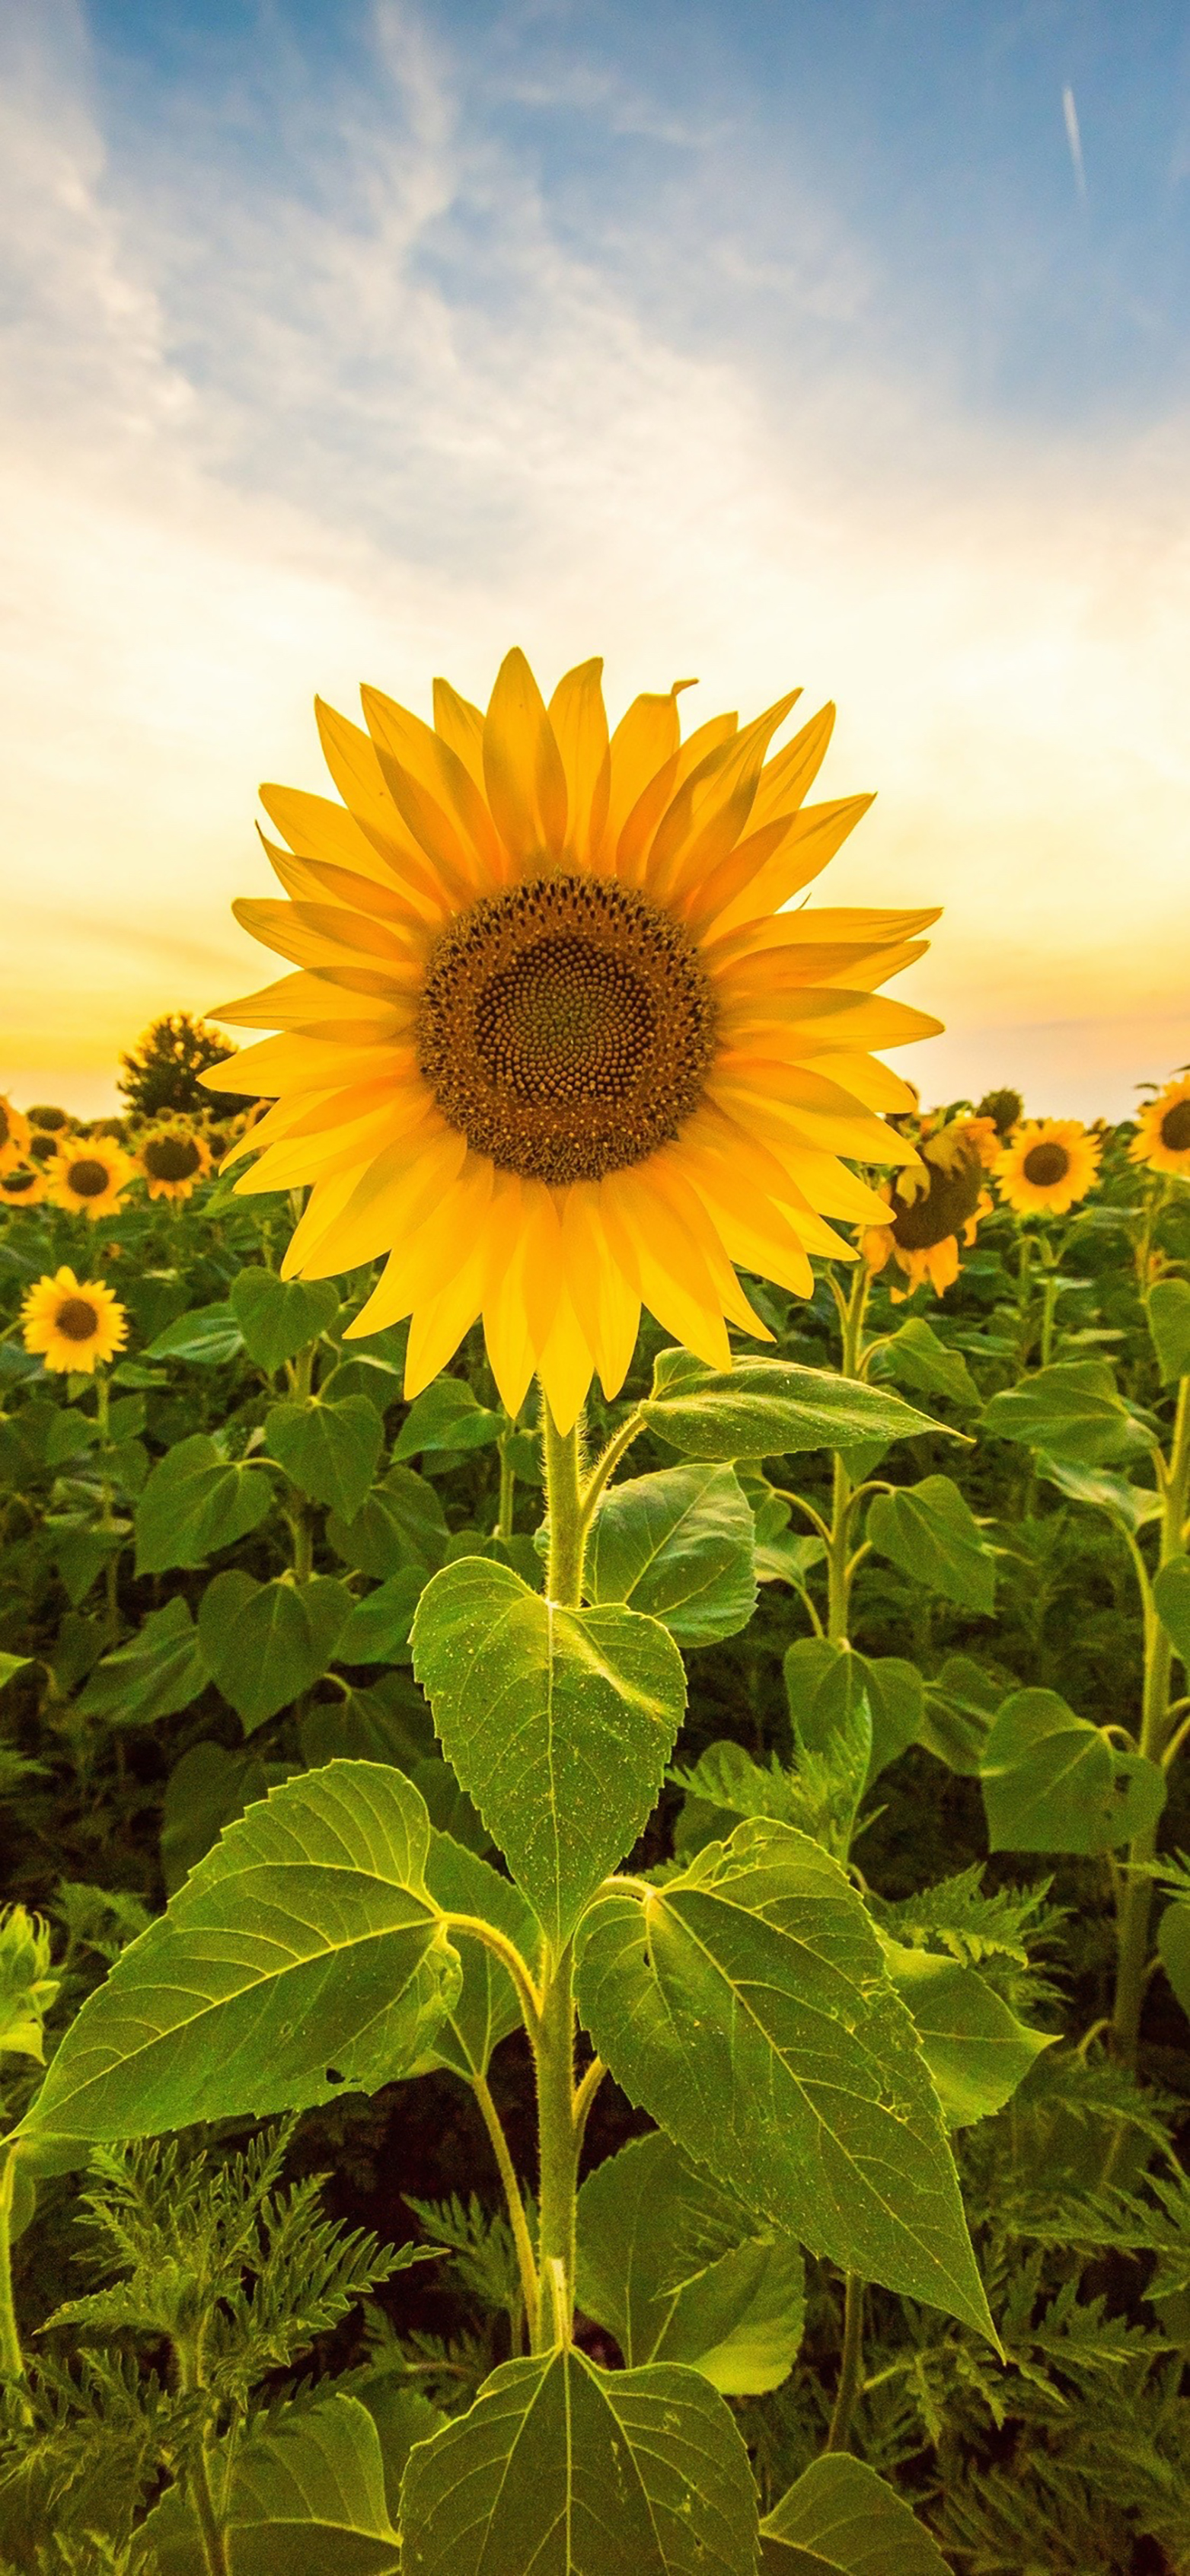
[1074,139]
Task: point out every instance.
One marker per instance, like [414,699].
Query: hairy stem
[1136,1896]
[11,2357]
[526,2262]
[564,1504]
[558,2152]
[503,1527]
[850,2365]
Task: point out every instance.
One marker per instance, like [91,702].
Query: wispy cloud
[359,405]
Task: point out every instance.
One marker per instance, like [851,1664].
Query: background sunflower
[23,1186]
[1047,1165]
[935,1207]
[89,1175]
[553,1044]
[173,1160]
[71,1323]
[14,1135]
[1164,1139]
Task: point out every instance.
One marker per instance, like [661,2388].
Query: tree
[160,1076]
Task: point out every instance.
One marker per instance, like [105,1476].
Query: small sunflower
[23,1186]
[933,1207]
[1164,1139]
[556,1046]
[1047,1165]
[173,1160]
[44,1149]
[1004,1107]
[89,1174]
[46,1115]
[73,1323]
[14,1135]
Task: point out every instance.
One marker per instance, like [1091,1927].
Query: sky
[841,343]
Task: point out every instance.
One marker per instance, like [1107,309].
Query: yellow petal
[389,1200]
[564,1366]
[708,814]
[461,726]
[425,1262]
[522,767]
[646,738]
[579,720]
[316,828]
[790,774]
[811,840]
[868,1081]
[438,1326]
[603,1299]
[319,880]
[675,1281]
[435,794]
[702,750]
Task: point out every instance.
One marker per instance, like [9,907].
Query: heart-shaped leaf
[264,1643]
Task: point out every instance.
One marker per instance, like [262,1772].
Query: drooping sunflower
[1047,1165]
[14,1135]
[935,1207]
[173,1161]
[553,1044]
[73,1323]
[23,1186]
[1164,1139]
[89,1174]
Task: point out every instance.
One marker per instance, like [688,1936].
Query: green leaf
[303,1957]
[209,1335]
[486,2009]
[1168,1314]
[388,1721]
[931,1533]
[677,1546]
[746,2006]
[69,1435]
[307,2493]
[960,1704]
[1054,1783]
[918,1357]
[840,2519]
[1134,1505]
[1173,1949]
[976,2049]
[330,1450]
[278,1317]
[10,1664]
[401,1524]
[1171,1593]
[159,1671]
[1074,1411]
[895,1692]
[378,1629]
[575,2471]
[81,1550]
[677,2272]
[195,1502]
[447,1418]
[770,1409]
[559,1723]
[265,1643]
[205,1791]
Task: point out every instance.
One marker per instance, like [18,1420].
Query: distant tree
[160,1076]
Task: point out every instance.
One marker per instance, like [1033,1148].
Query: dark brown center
[5,1125]
[88,1178]
[46,1116]
[44,1149]
[16,1183]
[943,1208]
[567,1027]
[1175,1128]
[172,1158]
[77,1318]
[1044,1165]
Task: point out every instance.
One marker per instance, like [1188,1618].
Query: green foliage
[160,1074]
[1052,1782]
[768,1409]
[678,1546]
[842,2520]
[933,1535]
[677,2271]
[264,1643]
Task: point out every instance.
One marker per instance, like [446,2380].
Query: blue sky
[818,339]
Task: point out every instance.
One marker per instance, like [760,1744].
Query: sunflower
[173,1160]
[1164,1139]
[554,1046]
[1047,1165]
[45,1115]
[24,1186]
[73,1323]
[933,1206]
[14,1135]
[89,1173]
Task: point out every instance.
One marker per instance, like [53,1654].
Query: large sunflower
[173,1160]
[554,1046]
[14,1135]
[73,1323]
[931,1210]
[23,1186]
[1164,1139]
[89,1174]
[1047,1165]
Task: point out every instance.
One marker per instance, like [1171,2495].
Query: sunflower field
[594,1734]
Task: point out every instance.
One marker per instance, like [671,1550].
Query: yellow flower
[14,1135]
[173,1160]
[1164,1139]
[1047,1165]
[90,1174]
[933,1206]
[73,1323]
[554,1046]
[23,1186]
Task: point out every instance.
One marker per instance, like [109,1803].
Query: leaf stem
[1136,1897]
[850,2365]
[526,2263]
[606,1464]
[558,2150]
[11,2357]
[528,1993]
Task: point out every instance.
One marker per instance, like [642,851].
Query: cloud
[347,400]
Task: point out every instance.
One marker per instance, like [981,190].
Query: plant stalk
[559,2129]
[12,2361]
[564,1505]
[1136,1895]
[851,2364]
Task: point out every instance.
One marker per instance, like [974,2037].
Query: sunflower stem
[12,2361]
[503,1527]
[564,1507]
[840,1562]
[851,2364]
[1136,1894]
